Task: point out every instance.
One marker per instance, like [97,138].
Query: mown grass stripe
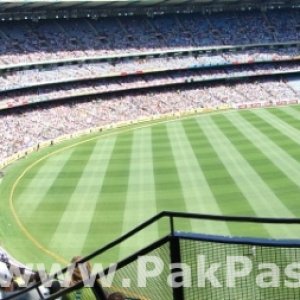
[79,212]
[49,211]
[36,187]
[284,127]
[288,111]
[292,118]
[169,195]
[281,159]
[285,189]
[275,137]
[140,199]
[230,198]
[197,194]
[111,199]
[262,199]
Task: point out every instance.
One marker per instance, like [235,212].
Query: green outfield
[74,197]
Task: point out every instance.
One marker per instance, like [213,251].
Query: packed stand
[27,127]
[27,41]
[19,79]
[106,85]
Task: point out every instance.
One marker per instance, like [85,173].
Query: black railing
[172,238]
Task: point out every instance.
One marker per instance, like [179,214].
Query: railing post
[98,290]
[178,292]
[172,228]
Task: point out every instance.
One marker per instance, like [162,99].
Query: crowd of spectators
[122,83]
[15,279]
[27,41]
[26,127]
[29,77]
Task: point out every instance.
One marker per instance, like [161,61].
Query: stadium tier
[136,66]
[27,127]
[71,49]
[147,80]
[28,42]
[112,112]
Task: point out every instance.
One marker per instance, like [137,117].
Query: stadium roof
[31,5]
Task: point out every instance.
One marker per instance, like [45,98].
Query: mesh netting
[156,287]
[245,287]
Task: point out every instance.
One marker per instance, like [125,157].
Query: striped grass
[229,163]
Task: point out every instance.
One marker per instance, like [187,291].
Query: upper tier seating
[26,41]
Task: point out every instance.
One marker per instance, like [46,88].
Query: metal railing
[172,238]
